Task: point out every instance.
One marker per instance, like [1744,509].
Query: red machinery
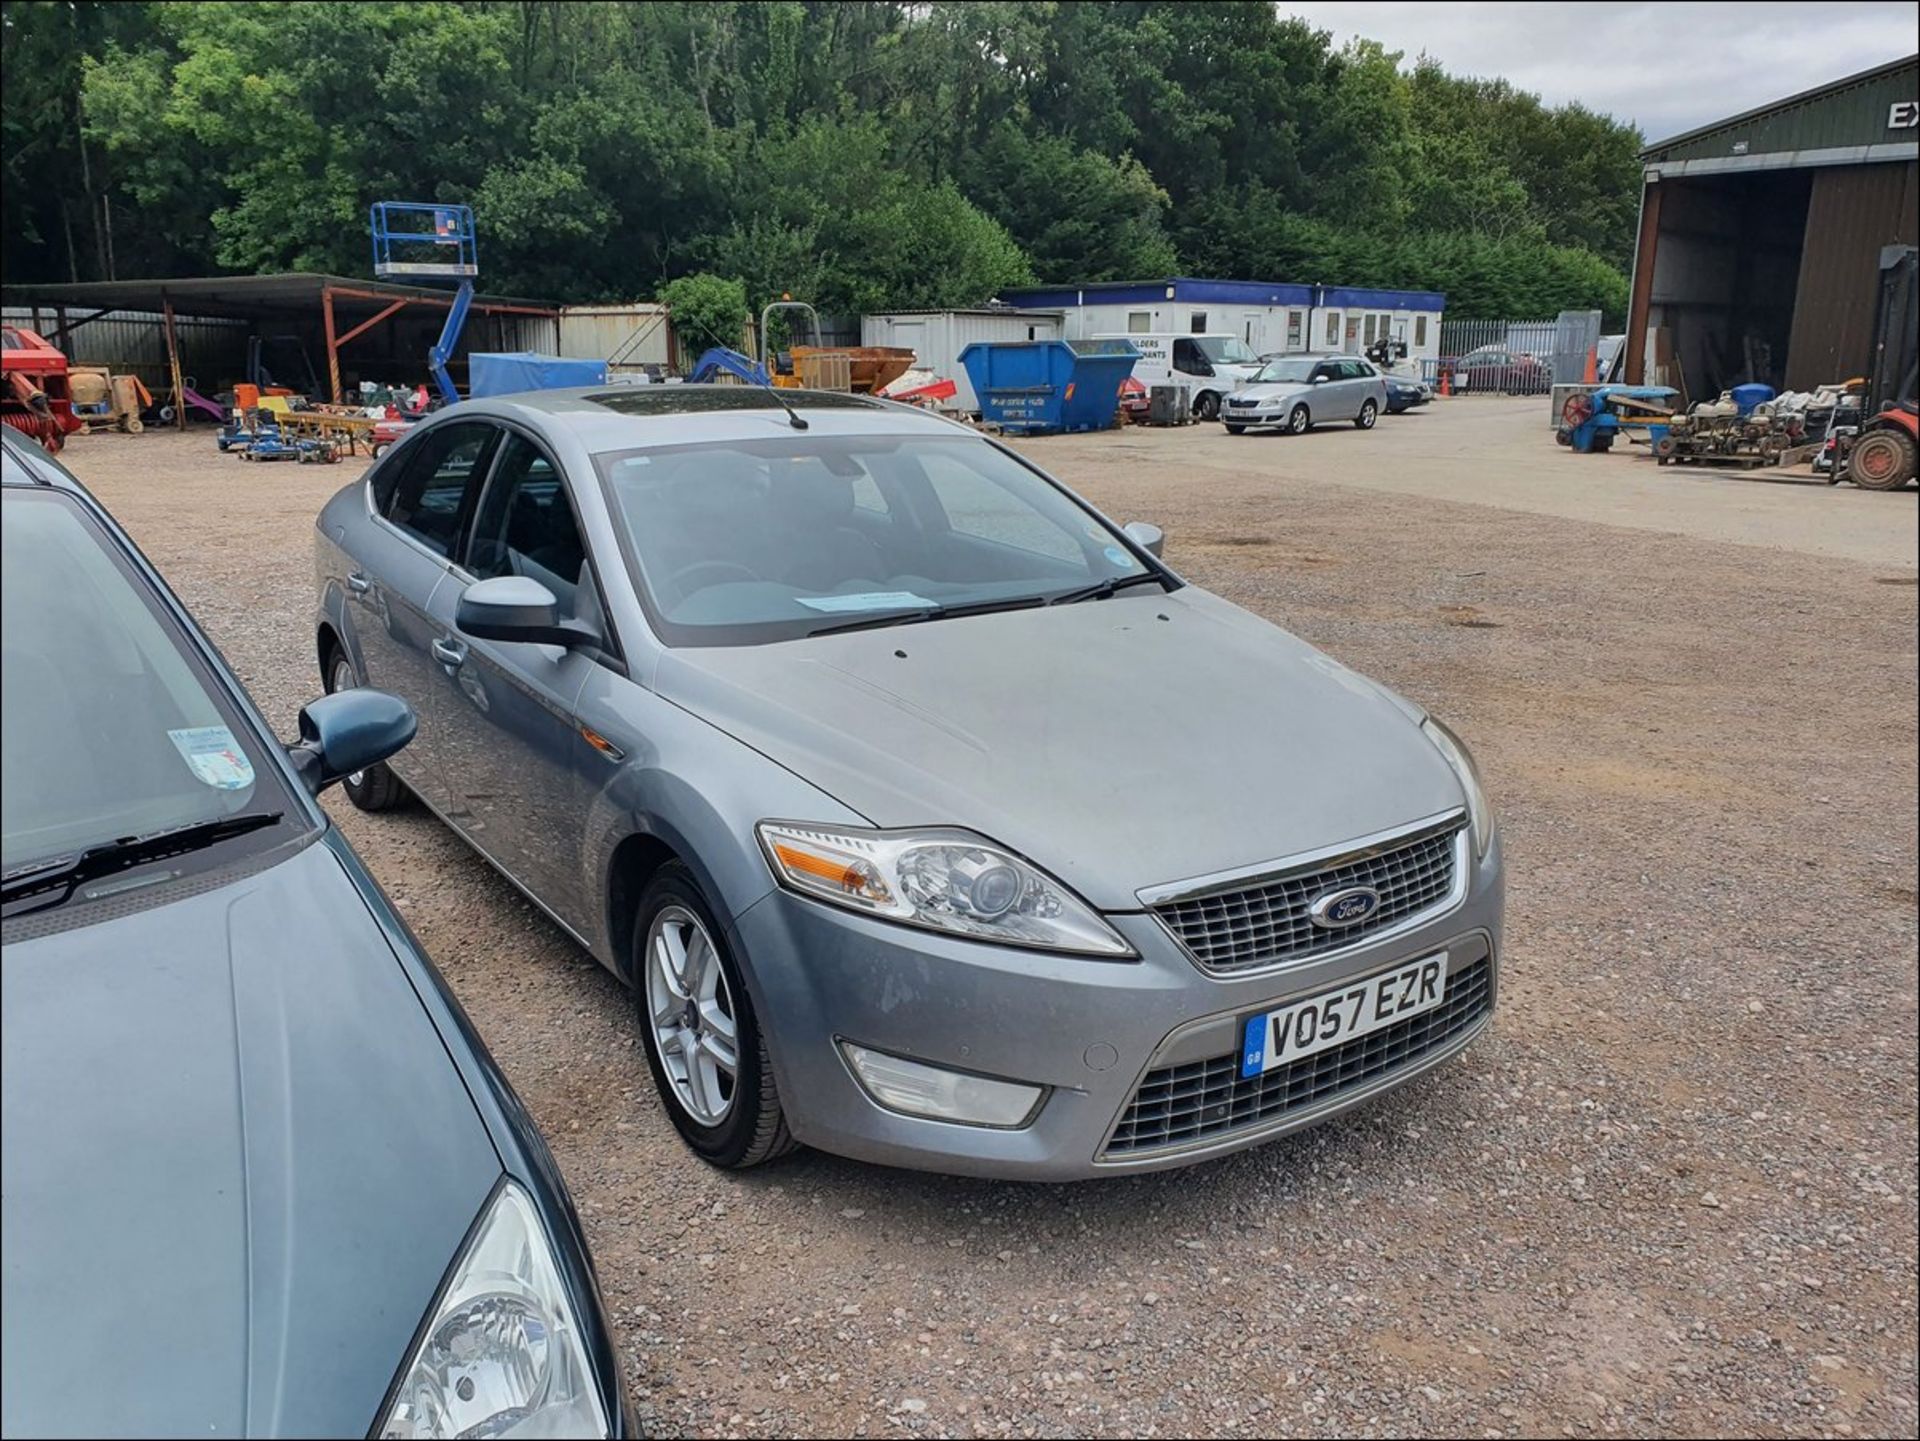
[36,400]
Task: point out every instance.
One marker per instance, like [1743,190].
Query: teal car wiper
[50,882]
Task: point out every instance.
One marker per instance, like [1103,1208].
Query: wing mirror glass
[519,609]
[1149,538]
[348,731]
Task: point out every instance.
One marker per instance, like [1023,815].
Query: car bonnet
[238,1160]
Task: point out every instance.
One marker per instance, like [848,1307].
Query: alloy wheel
[342,679]
[690,1008]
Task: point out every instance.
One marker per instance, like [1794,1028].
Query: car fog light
[922,1090]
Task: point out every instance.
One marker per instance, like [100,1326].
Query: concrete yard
[1672,1189]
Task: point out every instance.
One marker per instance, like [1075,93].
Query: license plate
[1306,1027]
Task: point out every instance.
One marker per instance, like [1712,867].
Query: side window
[975,506]
[1328,371]
[525,526]
[1186,356]
[1419,330]
[1295,330]
[1333,327]
[1139,322]
[1358,370]
[430,493]
[1199,324]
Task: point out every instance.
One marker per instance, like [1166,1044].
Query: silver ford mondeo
[931,817]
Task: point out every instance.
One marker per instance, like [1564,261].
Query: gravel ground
[1672,1190]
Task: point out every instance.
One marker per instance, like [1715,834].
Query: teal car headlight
[502,1353]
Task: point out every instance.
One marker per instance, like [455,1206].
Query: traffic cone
[1446,381]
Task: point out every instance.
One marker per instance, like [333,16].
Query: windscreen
[111,729]
[1284,372]
[753,541]
[1225,349]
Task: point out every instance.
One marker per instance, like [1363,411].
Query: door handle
[358,582]
[449,653]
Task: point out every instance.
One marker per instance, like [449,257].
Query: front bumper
[1090,1031]
[1266,413]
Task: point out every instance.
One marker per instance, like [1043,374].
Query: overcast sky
[1666,68]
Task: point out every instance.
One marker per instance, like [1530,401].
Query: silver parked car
[930,816]
[1298,392]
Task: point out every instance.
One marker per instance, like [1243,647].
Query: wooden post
[173,364]
[333,345]
[1640,301]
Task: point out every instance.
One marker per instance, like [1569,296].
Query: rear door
[421,505]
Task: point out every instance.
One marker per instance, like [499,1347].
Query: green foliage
[857,154]
[707,310]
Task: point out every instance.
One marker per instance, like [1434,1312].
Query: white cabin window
[1139,322]
[1419,330]
[1199,326]
[1296,329]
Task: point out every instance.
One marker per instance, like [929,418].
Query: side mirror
[1317,380]
[517,608]
[348,731]
[1149,538]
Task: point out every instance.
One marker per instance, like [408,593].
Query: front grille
[1243,402]
[1268,921]
[1178,1104]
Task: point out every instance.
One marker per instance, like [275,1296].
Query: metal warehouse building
[1760,236]
[1267,316]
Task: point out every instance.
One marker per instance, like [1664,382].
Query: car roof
[27,464]
[621,417]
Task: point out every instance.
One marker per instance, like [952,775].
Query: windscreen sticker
[871,600]
[1119,557]
[213,755]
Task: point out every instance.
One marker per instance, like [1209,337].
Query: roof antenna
[734,363]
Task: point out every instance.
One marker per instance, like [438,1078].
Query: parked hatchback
[261,1177]
[931,817]
[1294,393]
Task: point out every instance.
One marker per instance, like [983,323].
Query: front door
[422,503]
[513,740]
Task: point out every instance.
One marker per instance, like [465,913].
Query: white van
[1210,366]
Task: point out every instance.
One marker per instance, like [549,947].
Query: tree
[706,310]
[860,153]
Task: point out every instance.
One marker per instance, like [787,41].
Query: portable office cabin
[1266,316]
[936,338]
[1760,236]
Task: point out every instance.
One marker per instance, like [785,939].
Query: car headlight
[1479,813]
[502,1353]
[945,880]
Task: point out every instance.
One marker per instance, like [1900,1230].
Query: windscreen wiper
[48,883]
[931,612]
[1101,589]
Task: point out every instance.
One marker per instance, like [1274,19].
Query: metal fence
[1515,357]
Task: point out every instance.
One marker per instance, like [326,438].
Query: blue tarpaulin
[508,372]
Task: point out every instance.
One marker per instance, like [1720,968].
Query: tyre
[1233,429]
[1369,413]
[1300,422]
[1881,459]
[703,1042]
[376,788]
[1206,405]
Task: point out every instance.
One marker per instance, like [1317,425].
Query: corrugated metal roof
[1854,111]
[242,296]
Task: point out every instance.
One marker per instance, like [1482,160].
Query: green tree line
[860,155]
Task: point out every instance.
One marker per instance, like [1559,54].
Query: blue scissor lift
[434,243]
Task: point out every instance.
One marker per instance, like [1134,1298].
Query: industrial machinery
[36,400]
[1883,454]
[1590,420]
[433,243]
[1744,427]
